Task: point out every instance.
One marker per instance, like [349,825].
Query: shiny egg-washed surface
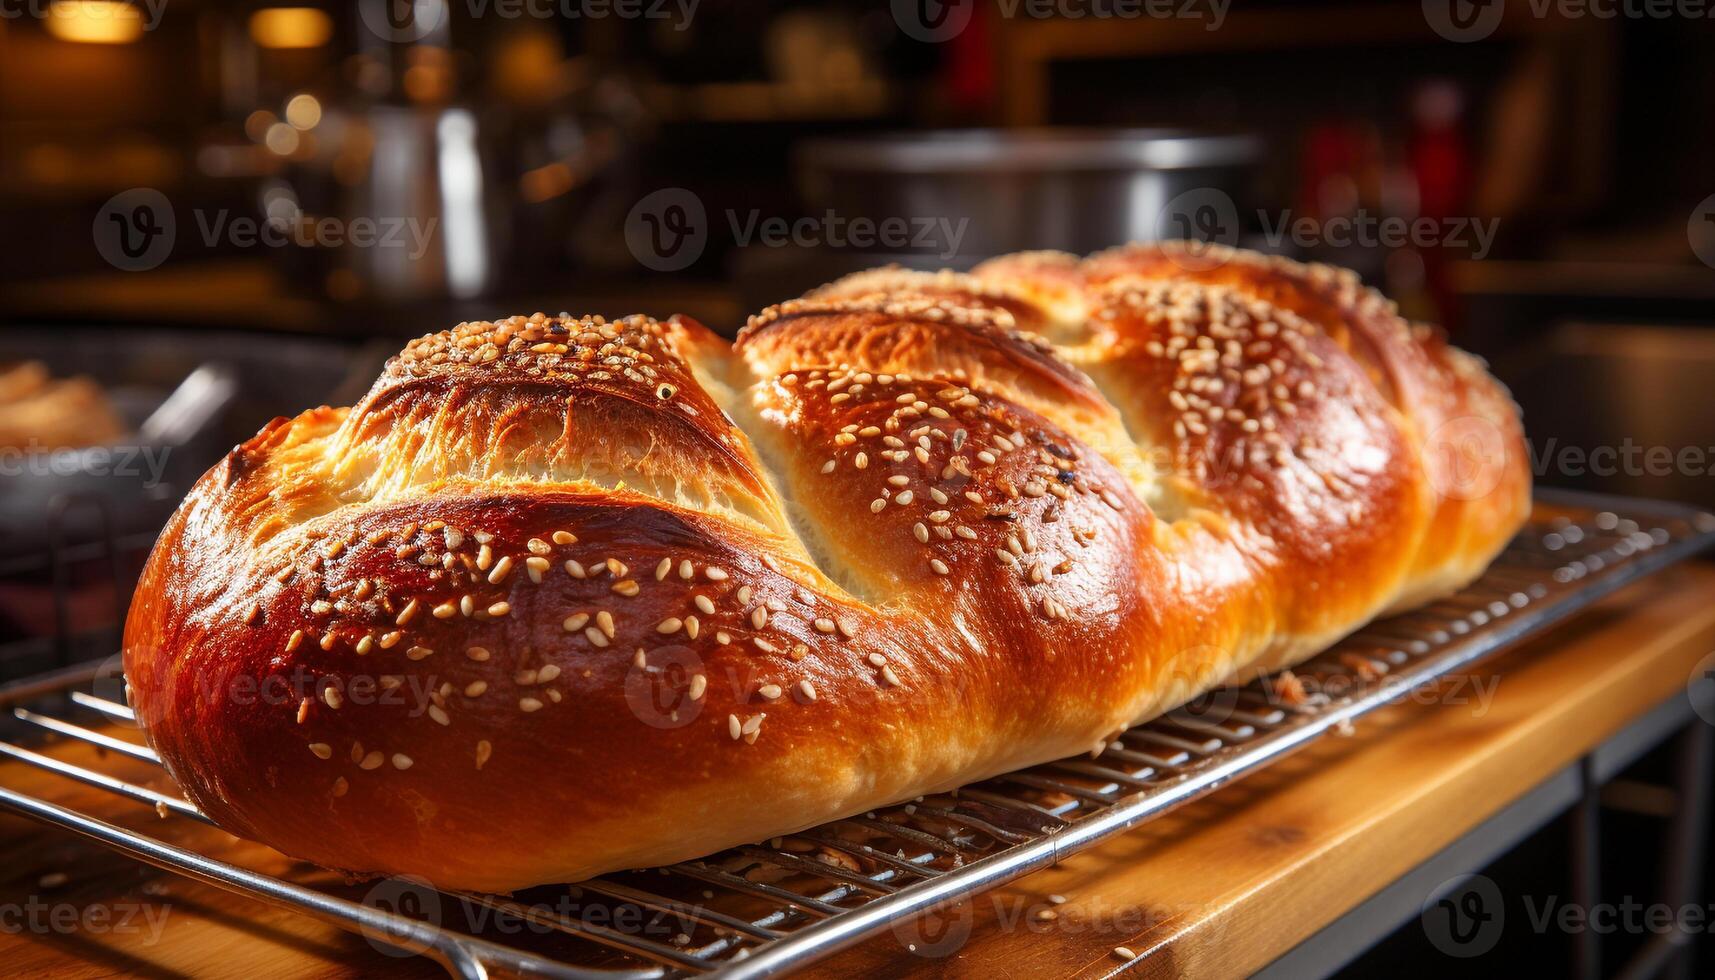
[566,595]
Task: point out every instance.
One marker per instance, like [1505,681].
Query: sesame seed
[715,574]
[391,640]
[575,569]
[699,684]
[905,497]
[685,569]
[759,617]
[439,715]
[763,645]
[595,637]
[536,546]
[419,653]
[769,691]
[484,557]
[704,604]
[483,751]
[401,761]
[733,727]
[475,689]
[500,609]
[340,786]
[528,705]
[806,689]
[478,654]
[445,610]
[876,505]
[604,622]
[1124,953]
[296,638]
[322,750]
[662,569]
[939,566]
[671,624]
[332,698]
[575,622]
[890,677]
[502,569]
[407,613]
[565,537]
[627,588]
[372,761]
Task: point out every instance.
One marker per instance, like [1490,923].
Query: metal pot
[977,193]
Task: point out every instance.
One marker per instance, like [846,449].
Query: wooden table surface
[1218,888]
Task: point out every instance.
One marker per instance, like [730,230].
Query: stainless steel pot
[1072,189]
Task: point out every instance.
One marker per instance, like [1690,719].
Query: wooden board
[1219,888]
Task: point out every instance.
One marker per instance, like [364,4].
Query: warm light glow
[256,124]
[291,27]
[95,21]
[303,111]
[282,139]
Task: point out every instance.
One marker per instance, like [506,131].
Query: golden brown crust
[562,596]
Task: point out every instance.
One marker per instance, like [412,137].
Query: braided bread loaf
[562,596]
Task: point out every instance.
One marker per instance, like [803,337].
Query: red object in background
[969,71]
[1439,160]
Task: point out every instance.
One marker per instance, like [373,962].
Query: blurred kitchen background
[214,213]
[218,212]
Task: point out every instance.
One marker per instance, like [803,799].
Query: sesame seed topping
[528,705]
[475,689]
[478,654]
[322,750]
[483,751]
[671,624]
[401,761]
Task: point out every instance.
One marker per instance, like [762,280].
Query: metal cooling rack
[765,909]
